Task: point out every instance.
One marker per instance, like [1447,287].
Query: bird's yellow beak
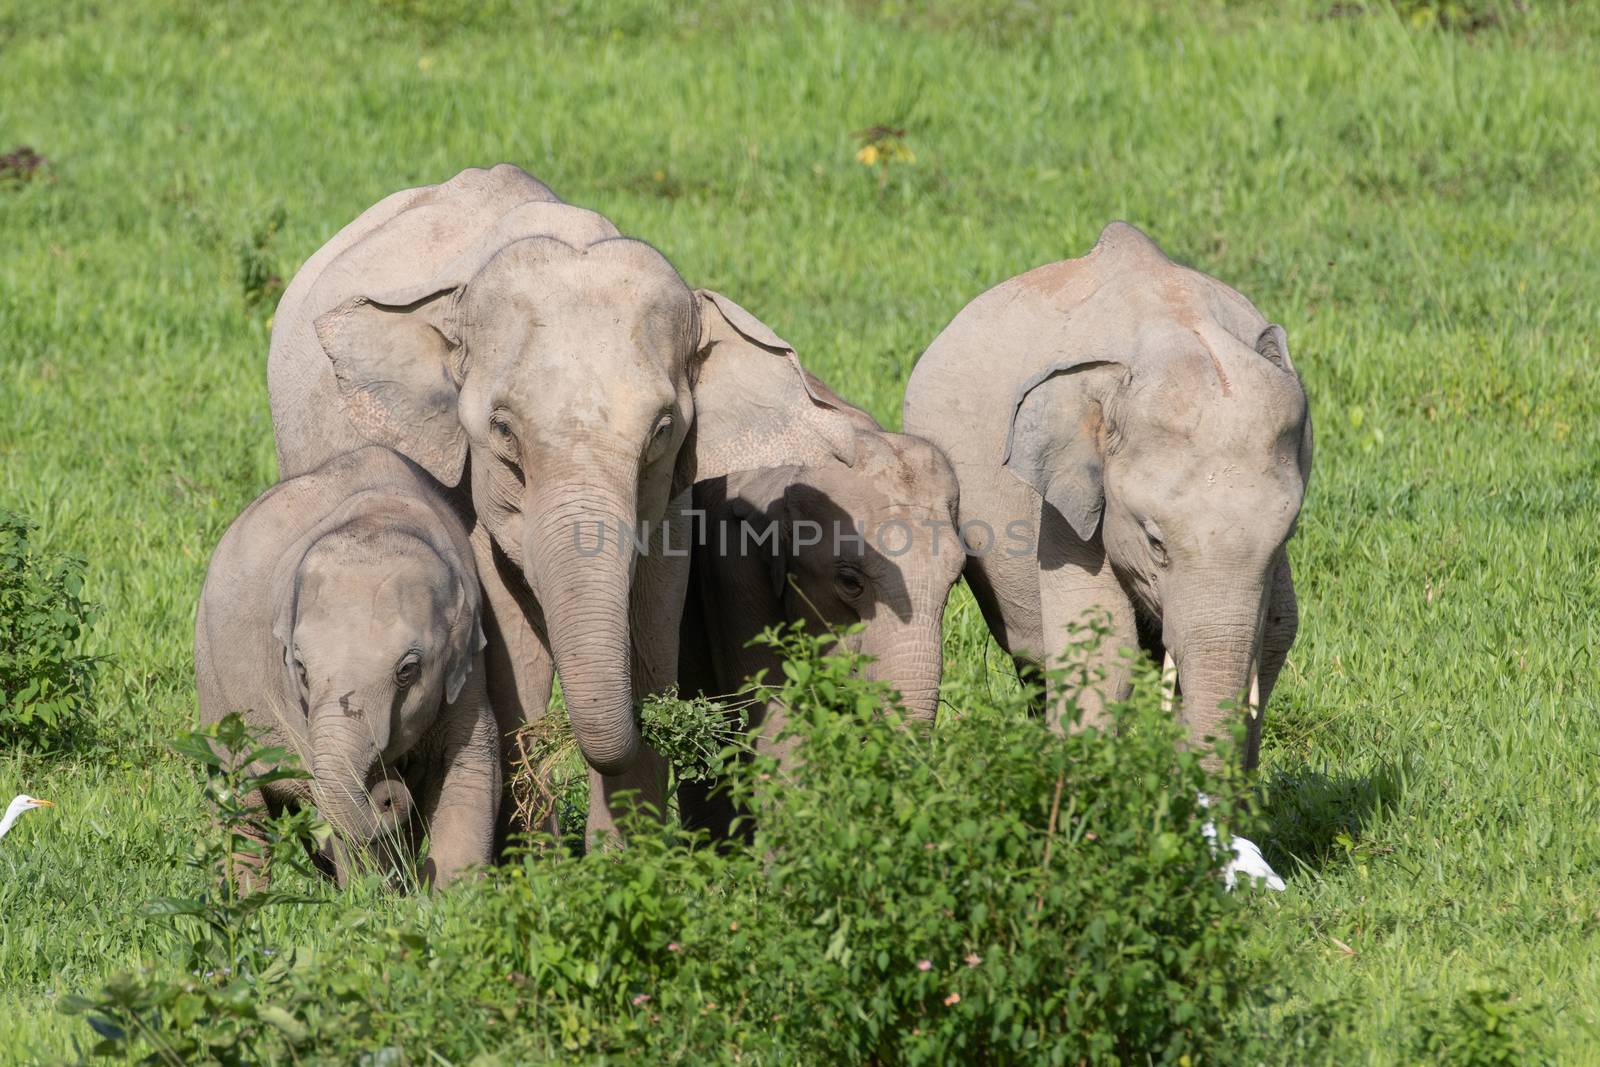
[44,803]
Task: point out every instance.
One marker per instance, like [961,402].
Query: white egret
[20,804]
[1247,857]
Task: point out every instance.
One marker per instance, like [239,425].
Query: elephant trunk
[1214,634]
[578,559]
[910,659]
[344,760]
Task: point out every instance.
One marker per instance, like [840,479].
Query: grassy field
[1416,205]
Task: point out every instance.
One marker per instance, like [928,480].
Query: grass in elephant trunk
[549,777]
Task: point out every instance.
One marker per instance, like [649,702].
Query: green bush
[226,997]
[985,892]
[1486,1026]
[992,892]
[45,677]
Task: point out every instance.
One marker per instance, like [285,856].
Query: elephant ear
[1056,440]
[395,358]
[754,405]
[283,622]
[464,647]
[1273,345]
[284,588]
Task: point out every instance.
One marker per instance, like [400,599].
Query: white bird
[20,804]
[1247,858]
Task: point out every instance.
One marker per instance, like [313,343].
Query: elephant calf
[1140,428]
[340,616]
[870,541]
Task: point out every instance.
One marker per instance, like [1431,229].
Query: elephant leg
[1002,571]
[1076,584]
[1277,637]
[459,801]
[519,673]
[703,807]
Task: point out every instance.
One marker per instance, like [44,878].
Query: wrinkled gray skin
[340,615]
[1146,420]
[543,368]
[901,495]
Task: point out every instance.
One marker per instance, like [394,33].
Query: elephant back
[404,243]
[495,191]
[1123,299]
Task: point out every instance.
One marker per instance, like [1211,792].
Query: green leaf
[158,907]
[291,1027]
[196,747]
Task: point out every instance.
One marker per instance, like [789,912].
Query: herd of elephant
[473,382]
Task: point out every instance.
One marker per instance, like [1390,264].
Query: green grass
[1416,206]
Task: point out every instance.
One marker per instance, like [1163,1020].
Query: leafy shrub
[217,1005]
[987,892]
[984,892]
[46,679]
[1484,1027]
[992,892]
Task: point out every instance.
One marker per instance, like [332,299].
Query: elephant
[1139,427]
[545,370]
[874,543]
[340,616]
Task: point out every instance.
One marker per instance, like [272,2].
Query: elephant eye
[500,427]
[503,440]
[849,582]
[409,667]
[300,675]
[1158,546]
[660,437]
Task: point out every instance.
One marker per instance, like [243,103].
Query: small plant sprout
[882,147]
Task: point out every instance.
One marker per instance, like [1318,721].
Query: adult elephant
[541,367]
[1135,439]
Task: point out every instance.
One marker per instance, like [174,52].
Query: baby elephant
[874,542]
[340,617]
[1142,425]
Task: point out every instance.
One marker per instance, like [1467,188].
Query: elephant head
[1174,433]
[551,370]
[378,631]
[875,543]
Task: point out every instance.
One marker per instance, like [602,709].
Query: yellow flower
[868,154]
